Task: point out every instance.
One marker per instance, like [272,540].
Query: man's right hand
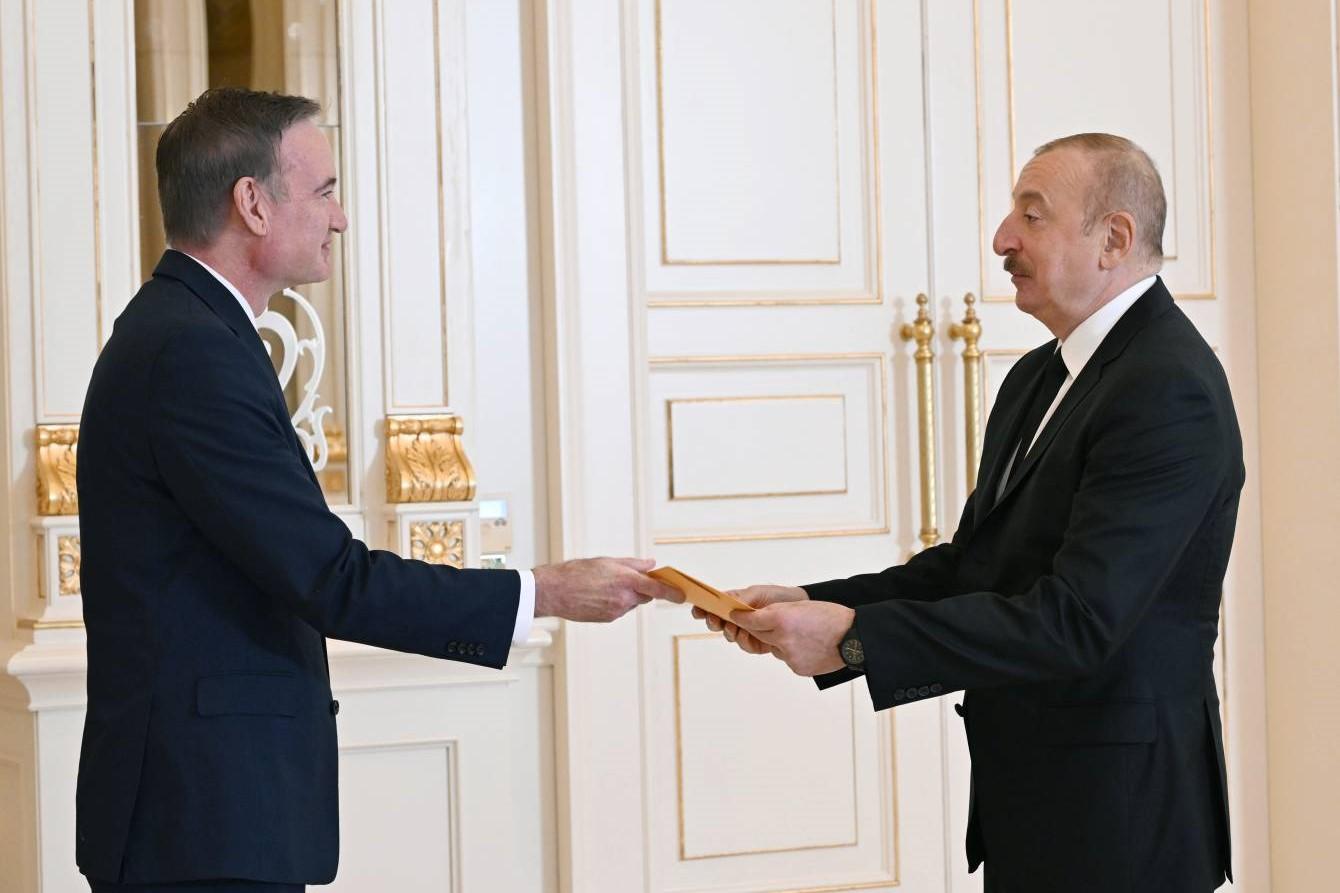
[597,589]
[758,597]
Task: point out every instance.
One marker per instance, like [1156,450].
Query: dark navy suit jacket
[212,570]
[1080,613]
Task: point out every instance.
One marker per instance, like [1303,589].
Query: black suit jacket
[1080,612]
[212,569]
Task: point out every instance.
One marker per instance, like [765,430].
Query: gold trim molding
[57,446]
[438,542]
[425,460]
[32,623]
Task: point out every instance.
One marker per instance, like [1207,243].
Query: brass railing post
[922,331]
[970,330]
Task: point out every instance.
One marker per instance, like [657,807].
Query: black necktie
[1049,381]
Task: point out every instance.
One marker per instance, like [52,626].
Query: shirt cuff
[525,608]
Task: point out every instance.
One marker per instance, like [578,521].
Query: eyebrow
[1029,195]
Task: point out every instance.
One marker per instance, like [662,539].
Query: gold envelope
[713,601]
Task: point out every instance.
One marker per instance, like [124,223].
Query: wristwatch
[851,650]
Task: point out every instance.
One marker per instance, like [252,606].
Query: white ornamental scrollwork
[308,419]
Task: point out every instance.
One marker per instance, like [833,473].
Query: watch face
[852,652]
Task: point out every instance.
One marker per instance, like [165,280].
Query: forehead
[1058,176]
[304,150]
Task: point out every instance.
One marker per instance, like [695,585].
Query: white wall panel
[768,446]
[715,445]
[758,146]
[736,736]
[413,244]
[63,205]
[749,152]
[397,817]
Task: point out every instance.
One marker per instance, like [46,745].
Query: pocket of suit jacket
[248,694]
[1108,722]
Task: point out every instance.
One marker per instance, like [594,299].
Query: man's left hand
[805,634]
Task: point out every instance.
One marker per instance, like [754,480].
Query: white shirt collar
[1082,344]
[232,289]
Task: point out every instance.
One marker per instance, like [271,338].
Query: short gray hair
[226,134]
[1124,179]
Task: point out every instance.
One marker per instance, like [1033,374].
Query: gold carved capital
[438,542]
[425,461]
[68,555]
[56,449]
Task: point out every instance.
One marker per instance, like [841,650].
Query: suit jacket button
[451,648]
[470,649]
[924,691]
[936,688]
[479,650]
[334,708]
[899,695]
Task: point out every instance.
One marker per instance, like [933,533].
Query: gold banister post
[970,330]
[922,331]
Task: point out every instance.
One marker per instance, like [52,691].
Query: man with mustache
[1078,603]
[213,571]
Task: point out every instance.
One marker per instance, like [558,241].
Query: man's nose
[1004,242]
[340,223]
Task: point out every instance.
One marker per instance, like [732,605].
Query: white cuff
[525,608]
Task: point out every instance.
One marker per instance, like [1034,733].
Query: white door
[745,199]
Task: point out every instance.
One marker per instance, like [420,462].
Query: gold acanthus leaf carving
[438,542]
[57,451]
[68,555]
[425,460]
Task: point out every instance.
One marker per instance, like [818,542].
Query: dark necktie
[1049,381]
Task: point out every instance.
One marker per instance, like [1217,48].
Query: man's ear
[252,205]
[1118,239]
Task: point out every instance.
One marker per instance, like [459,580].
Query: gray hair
[1124,179]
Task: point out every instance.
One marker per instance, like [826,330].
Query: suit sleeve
[237,477]
[1153,473]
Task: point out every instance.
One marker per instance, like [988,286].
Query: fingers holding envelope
[805,635]
[757,597]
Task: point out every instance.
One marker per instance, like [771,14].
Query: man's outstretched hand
[597,589]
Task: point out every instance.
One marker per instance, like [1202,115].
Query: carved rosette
[68,554]
[57,446]
[425,461]
[438,542]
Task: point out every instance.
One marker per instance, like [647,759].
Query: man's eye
[1031,217]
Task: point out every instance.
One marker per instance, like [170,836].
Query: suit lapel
[182,268]
[1152,304]
[997,452]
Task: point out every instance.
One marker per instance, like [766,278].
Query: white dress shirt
[1078,349]
[525,610]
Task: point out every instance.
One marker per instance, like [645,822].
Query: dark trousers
[198,887]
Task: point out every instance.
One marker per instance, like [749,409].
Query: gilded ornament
[57,446]
[68,555]
[425,460]
[438,542]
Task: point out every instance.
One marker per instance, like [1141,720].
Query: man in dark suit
[1078,602]
[212,568]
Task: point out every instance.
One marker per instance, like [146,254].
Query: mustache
[1016,267]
